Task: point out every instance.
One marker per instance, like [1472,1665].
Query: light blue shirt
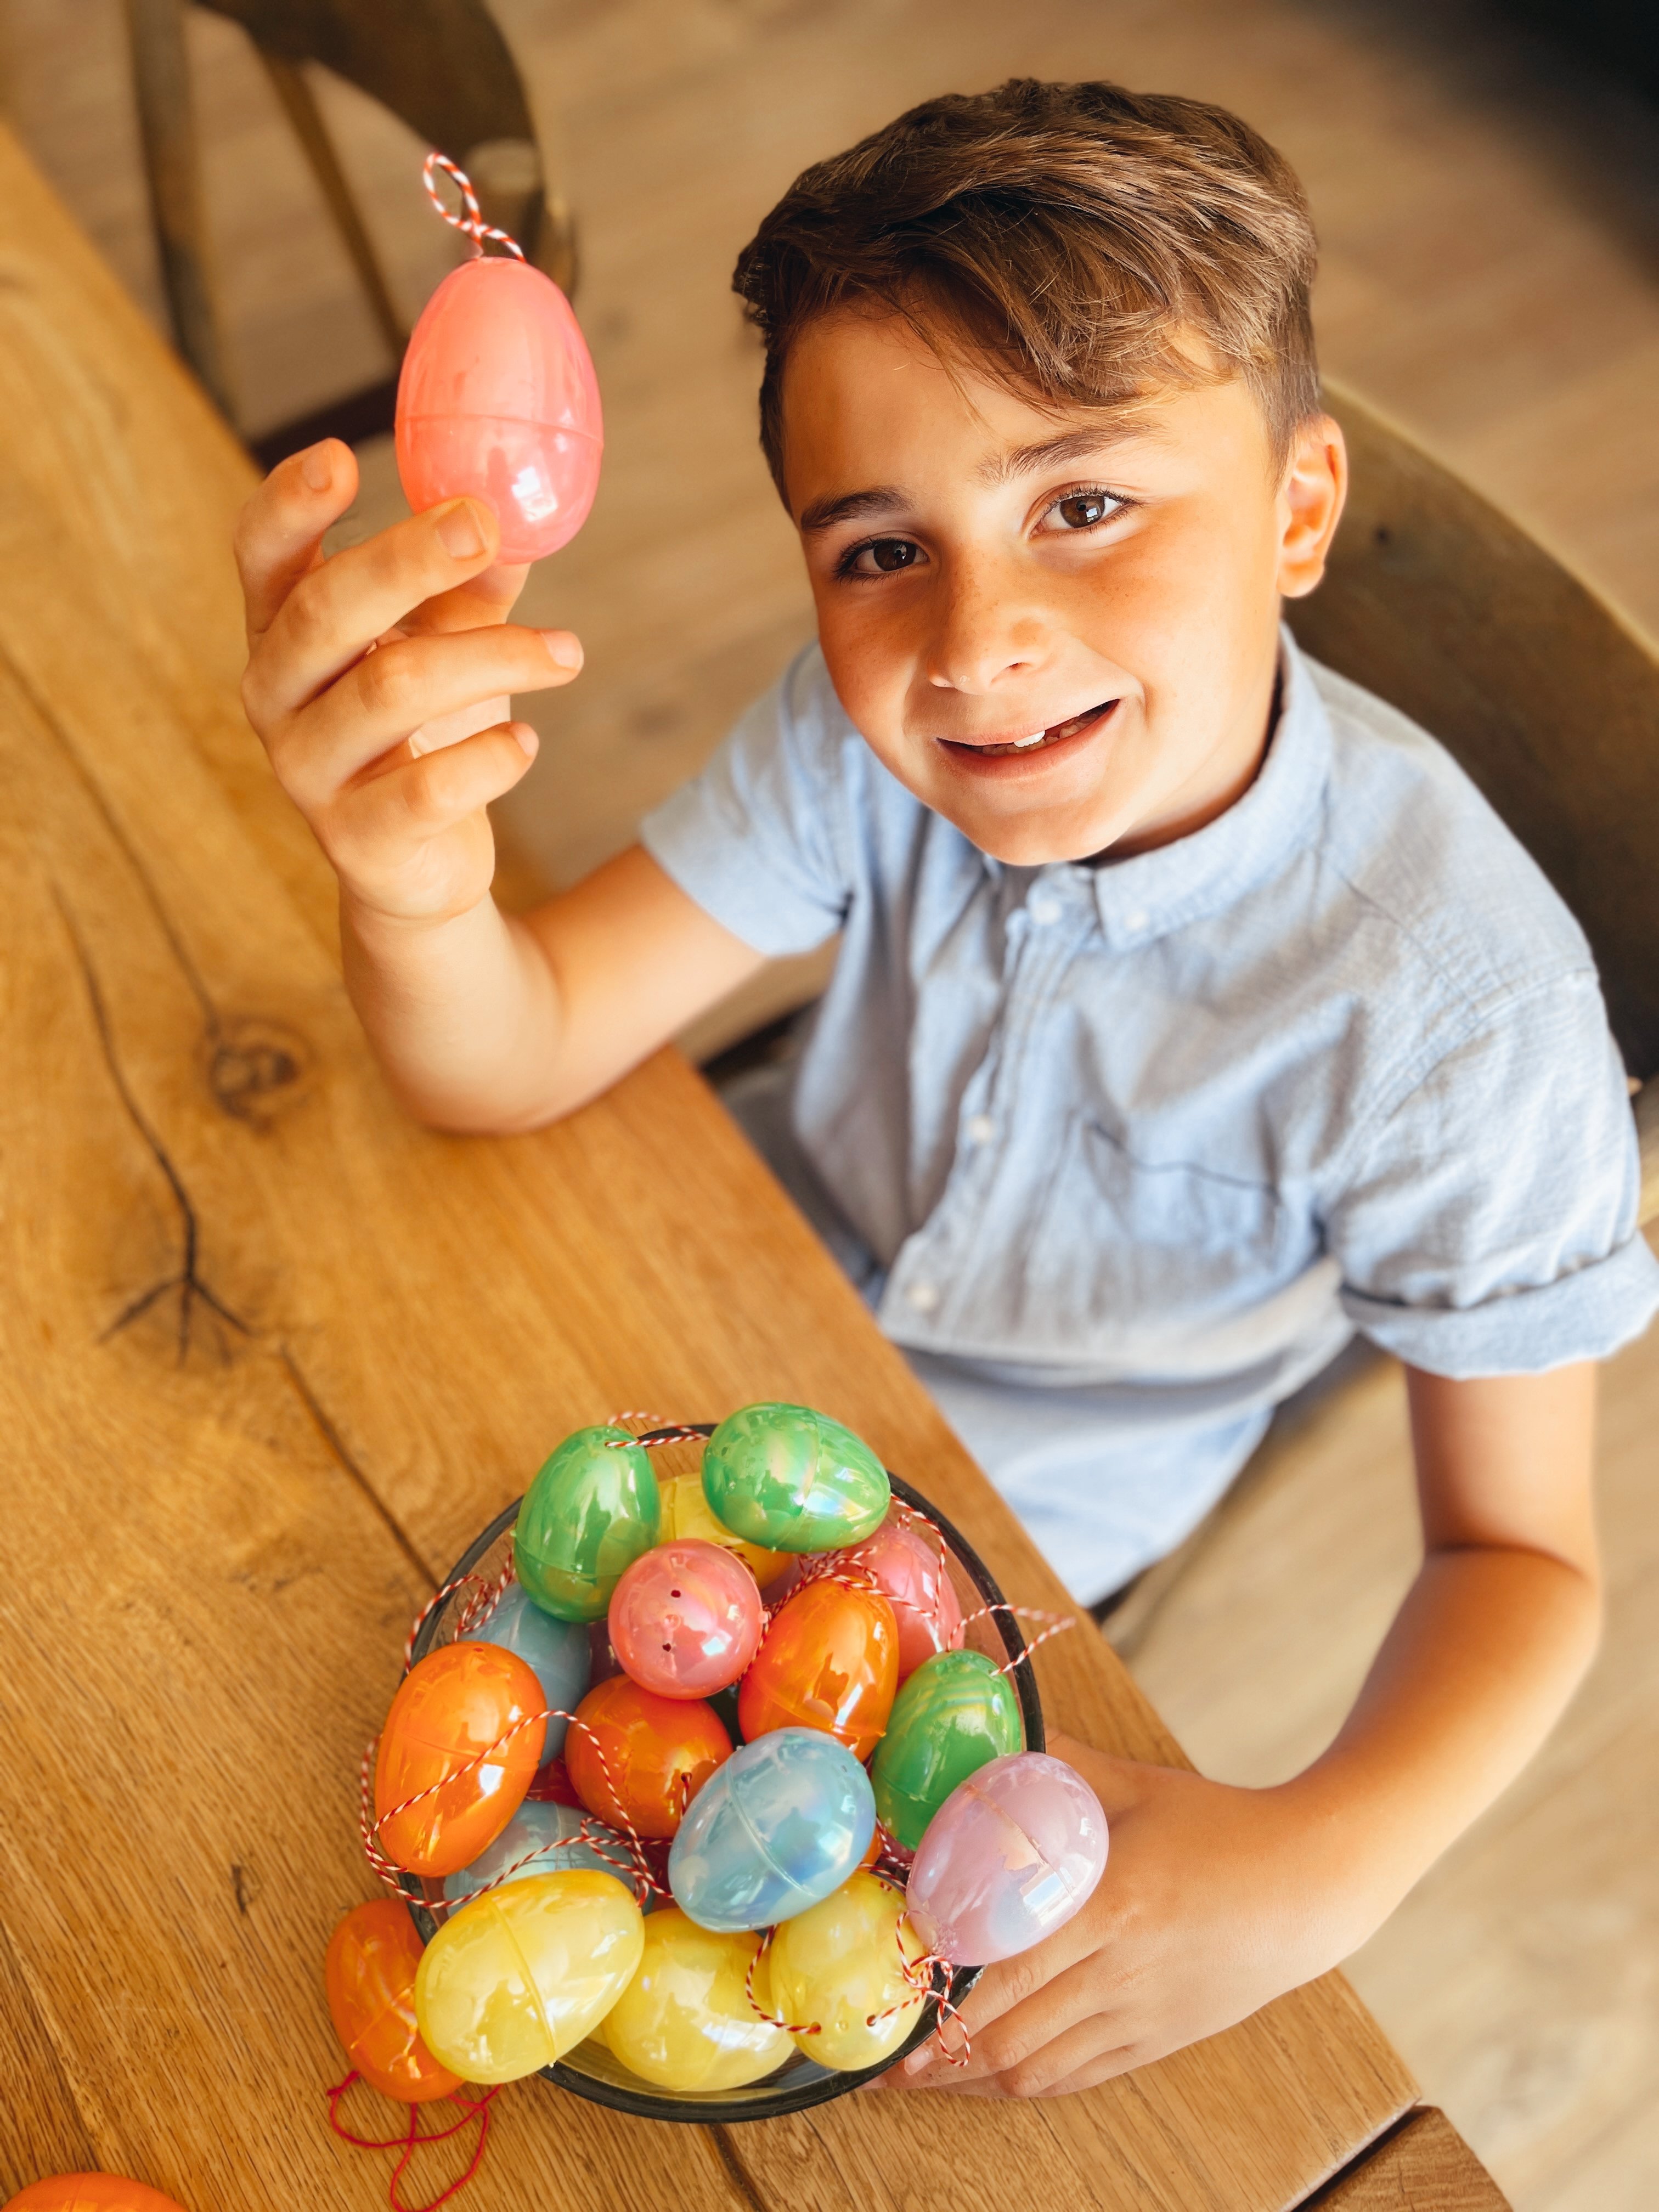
[1123,1155]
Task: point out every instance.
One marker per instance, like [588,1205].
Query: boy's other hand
[351,659]
[1208,1908]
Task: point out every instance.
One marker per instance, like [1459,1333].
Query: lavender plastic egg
[557,1653]
[782,1823]
[685,1618]
[553,1834]
[1009,1855]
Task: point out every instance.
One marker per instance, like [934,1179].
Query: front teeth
[1022,745]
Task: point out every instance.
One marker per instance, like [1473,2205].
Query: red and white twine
[470,223]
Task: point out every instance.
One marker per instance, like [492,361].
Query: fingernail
[527,739]
[316,467]
[919,2061]
[457,529]
[562,650]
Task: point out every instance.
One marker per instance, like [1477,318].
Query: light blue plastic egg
[779,1826]
[557,1652]
[551,1832]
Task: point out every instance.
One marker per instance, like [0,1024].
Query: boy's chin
[1037,840]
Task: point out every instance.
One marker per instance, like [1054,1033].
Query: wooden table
[272,1355]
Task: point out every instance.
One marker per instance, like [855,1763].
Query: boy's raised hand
[349,657]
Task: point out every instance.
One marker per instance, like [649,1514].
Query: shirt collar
[1145,897]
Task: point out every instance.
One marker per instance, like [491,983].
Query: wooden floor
[1490,219]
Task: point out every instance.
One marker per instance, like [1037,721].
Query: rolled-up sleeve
[1488,1222]
[758,839]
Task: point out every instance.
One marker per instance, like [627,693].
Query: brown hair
[1065,236]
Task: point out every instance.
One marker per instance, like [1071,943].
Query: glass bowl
[590,2069]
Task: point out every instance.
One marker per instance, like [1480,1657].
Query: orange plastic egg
[90,2192]
[368,1974]
[461,1700]
[639,1759]
[830,1661]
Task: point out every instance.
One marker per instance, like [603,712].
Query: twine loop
[471,2108]
[469,222]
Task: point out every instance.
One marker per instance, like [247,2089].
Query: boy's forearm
[1482,1657]
[463,1015]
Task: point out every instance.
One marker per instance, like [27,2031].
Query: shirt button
[980,1130]
[1137,919]
[924,1297]
[1043,907]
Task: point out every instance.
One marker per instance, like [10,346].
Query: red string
[471,2108]
[471,224]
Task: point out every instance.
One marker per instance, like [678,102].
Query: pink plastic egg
[1008,1857]
[685,1618]
[498,399]
[902,1559]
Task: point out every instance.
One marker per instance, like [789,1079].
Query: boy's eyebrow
[822,514]
[1022,460]
[1070,446]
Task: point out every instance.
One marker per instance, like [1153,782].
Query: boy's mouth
[1040,741]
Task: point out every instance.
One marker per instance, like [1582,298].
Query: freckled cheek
[872,661]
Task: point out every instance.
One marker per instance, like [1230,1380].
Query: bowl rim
[687,2108]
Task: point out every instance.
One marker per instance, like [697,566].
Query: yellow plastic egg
[687,1512]
[513,1980]
[835,1974]
[685,2021]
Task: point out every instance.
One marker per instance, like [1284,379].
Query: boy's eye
[886,553]
[1081,510]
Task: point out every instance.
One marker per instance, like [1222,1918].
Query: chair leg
[507,176]
[161,78]
[293,87]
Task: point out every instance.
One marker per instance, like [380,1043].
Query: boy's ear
[1310,504]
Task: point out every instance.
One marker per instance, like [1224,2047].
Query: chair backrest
[440,65]
[1445,608]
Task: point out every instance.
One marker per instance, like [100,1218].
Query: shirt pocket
[1132,1241]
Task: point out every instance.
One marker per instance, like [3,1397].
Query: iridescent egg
[498,399]
[794,1480]
[556,1652]
[513,1980]
[685,2020]
[687,1512]
[639,1759]
[838,1975]
[957,1712]
[830,1660]
[461,1700]
[369,1975]
[1009,1857]
[545,1839]
[905,1560]
[590,1512]
[685,1618]
[783,1822]
[90,2192]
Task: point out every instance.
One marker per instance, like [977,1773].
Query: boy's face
[987,572]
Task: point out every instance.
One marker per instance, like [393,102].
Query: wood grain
[272,1355]
[1424,2167]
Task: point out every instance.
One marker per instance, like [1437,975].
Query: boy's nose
[984,634]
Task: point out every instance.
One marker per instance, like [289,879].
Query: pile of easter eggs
[723,1827]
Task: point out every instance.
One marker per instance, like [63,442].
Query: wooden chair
[1442,605]
[441,66]
[1448,610]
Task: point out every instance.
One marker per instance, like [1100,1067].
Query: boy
[1191,1009]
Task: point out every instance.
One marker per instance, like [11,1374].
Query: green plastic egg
[955,1713]
[591,1511]
[794,1480]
